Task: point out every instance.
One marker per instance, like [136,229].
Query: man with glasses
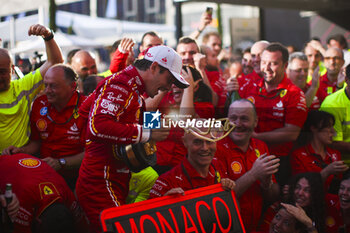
[58,132]
[334,79]
[116,119]
[297,71]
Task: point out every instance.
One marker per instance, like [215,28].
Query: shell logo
[41,124]
[330,221]
[236,167]
[29,162]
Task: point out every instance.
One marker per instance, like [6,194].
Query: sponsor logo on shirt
[236,167]
[119,88]
[110,106]
[43,111]
[29,162]
[113,98]
[74,127]
[283,93]
[41,124]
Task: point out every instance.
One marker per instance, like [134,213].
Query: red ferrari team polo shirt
[61,133]
[185,176]
[284,105]
[237,163]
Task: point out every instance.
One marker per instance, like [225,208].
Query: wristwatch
[62,162]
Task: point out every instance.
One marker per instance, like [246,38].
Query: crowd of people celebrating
[65,128]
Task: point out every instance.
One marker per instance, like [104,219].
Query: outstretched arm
[53,51]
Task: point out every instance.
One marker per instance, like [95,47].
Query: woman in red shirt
[314,153]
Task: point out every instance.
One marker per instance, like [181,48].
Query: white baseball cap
[169,59]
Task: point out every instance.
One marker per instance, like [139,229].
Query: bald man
[16,96]
[333,80]
[84,65]
[256,51]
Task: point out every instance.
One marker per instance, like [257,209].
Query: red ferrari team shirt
[326,88]
[115,118]
[284,105]
[237,163]
[185,176]
[61,133]
[36,186]
[171,151]
[305,159]
[218,85]
[334,217]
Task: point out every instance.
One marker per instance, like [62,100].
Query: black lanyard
[75,112]
[217,178]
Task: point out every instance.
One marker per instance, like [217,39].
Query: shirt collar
[282,85]
[136,78]
[192,172]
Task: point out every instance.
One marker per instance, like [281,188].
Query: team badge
[41,124]
[43,111]
[218,177]
[257,152]
[47,189]
[283,93]
[236,167]
[75,114]
[29,162]
[251,99]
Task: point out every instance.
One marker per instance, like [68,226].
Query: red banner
[207,209]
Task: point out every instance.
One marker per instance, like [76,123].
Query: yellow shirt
[322,71]
[338,104]
[15,105]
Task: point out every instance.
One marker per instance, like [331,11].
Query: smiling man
[58,132]
[248,163]
[198,169]
[281,106]
[116,118]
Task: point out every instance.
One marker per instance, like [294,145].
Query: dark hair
[151,33]
[316,209]
[56,218]
[203,93]
[298,225]
[144,64]
[90,84]
[69,73]
[347,71]
[71,54]
[115,46]
[187,40]
[316,119]
[274,47]
[209,34]
[340,39]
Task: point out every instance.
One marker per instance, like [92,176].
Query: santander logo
[149,55]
